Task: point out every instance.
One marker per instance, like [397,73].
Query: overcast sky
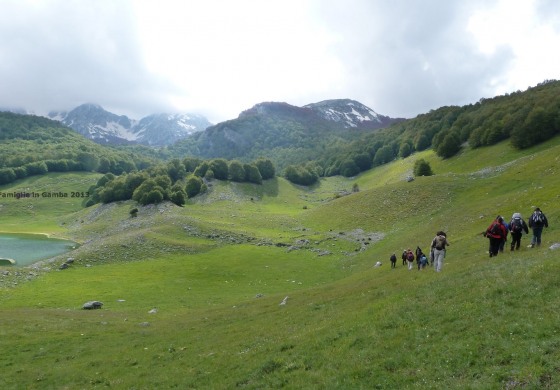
[220,57]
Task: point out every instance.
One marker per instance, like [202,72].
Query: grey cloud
[415,56]
[61,53]
[399,57]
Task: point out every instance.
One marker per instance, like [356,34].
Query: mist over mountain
[104,127]
[276,126]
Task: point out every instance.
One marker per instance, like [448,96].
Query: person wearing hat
[517,226]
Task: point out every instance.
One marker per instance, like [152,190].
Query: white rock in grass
[92,305]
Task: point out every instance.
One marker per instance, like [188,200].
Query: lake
[27,249]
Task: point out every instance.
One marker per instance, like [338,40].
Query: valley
[193,295]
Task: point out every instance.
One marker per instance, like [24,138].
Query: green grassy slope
[217,270]
[47,198]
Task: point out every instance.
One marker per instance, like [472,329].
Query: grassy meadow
[192,296]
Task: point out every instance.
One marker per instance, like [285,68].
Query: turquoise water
[27,249]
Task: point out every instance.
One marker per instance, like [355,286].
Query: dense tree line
[304,147]
[525,118]
[176,180]
[31,145]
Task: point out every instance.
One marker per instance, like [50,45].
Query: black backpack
[538,218]
[516,225]
[495,229]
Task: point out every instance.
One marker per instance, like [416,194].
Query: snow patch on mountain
[102,126]
[348,112]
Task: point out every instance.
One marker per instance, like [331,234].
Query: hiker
[431,258]
[418,252]
[495,233]
[410,259]
[517,226]
[504,240]
[403,256]
[393,261]
[537,222]
[422,262]
[438,247]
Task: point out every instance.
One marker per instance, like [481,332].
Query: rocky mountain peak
[102,126]
[347,112]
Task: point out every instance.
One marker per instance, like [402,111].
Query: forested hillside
[301,144]
[32,145]
[284,133]
[526,118]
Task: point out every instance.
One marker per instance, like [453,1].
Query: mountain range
[285,133]
[157,130]
[104,127]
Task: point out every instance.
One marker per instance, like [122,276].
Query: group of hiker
[497,233]
[436,256]
[499,229]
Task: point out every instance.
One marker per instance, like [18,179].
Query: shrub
[383,155]
[178,197]
[200,170]
[7,175]
[422,168]
[300,175]
[176,170]
[266,168]
[252,174]
[236,171]
[36,168]
[348,168]
[449,147]
[220,168]
[149,192]
[194,186]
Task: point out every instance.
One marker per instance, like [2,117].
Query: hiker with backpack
[537,222]
[495,233]
[419,254]
[403,256]
[503,242]
[410,259]
[438,247]
[517,226]
[422,261]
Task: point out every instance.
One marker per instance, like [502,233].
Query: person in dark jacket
[418,253]
[403,257]
[495,233]
[517,226]
[503,242]
[393,259]
[537,222]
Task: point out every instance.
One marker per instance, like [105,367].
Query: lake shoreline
[28,249]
